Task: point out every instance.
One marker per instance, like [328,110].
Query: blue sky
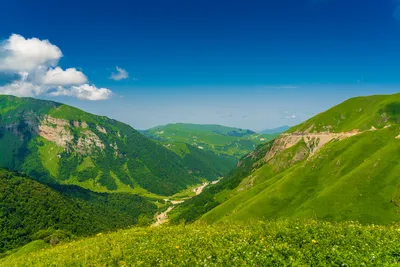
[251,64]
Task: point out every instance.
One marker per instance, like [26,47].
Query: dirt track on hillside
[163,216]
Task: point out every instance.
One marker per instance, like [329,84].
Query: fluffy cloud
[35,62]
[120,75]
[20,54]
[84,91]
[23,87]
[58,76]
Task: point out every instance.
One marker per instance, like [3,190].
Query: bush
[52,236]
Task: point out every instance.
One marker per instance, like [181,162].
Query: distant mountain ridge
[222,140]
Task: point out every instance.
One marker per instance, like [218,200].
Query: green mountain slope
[202,163]
[360,113]
[56,143]
[220,139]
[30,210]
[316,171]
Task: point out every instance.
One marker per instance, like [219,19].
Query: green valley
[210,151]
[200,133]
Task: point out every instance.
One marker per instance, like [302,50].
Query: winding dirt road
[163,216]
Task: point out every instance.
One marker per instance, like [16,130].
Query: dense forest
[27,208]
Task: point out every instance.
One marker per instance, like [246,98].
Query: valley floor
[274,243]
[162,217]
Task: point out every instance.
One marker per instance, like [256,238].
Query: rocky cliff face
[314,141]
[55,130]
[59,131]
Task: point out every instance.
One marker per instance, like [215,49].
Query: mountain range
[222,140]
[67,173]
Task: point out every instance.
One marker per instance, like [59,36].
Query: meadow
[257,243]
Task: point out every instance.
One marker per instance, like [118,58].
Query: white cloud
[23,87]
[120,75]
[84,92]
[58,76]
[291,117]
[35,62]
[20,54]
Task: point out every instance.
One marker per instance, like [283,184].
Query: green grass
[86,164]
[72,113]
[10,106]
[274,243]
[94,186]
[26,249]
[356,113]
[352,179]
[180,149]
[49,152]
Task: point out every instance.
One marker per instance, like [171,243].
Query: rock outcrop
[59,131]
[314,141]
[56,130]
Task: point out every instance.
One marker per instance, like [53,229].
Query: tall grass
[273,243]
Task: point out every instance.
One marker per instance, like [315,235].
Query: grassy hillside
[30,211]
[60,144]
[360,113]
[220,139]
[353,179]
[331,177]
[281,243]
